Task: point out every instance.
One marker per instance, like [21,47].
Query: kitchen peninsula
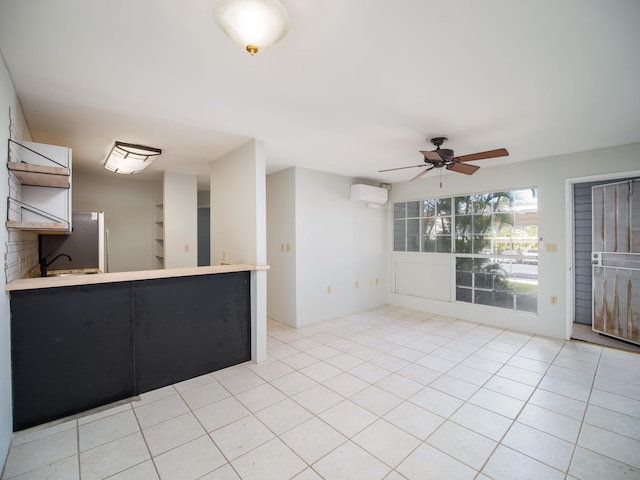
[82,341]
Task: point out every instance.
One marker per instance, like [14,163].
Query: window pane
[413,243]
[481,224]
[443,225]
[464,228]
[413,226]
[429,244]
[413,209]
[463,205]
[482,297]
[464,244]
[399,210]
[443,244]
[399,235]
[464,279]
[464,295]
[494,299]
[502,227]
[464,264]
[481,244]
[503,201]
[429,208]
[481,203]
[464,224]
[444,206]
[428,226]
[484,281]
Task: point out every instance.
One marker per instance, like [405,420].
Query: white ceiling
[354,87]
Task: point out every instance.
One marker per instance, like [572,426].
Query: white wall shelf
[41,175]
[40,193]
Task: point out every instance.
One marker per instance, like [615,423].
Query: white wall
[238,206]
[281,251]
[129,213]
[337,244]
[549,175]
[238,226]
[204,198]
[8,100]
[180,200]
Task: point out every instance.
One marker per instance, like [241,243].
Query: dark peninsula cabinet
[71,350]
[75,348]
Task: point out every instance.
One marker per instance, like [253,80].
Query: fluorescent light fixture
[254,24]
[128,158]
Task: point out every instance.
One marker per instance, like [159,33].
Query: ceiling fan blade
[400,168]
[424,172]
[463,168]
[431,155]
[500,152]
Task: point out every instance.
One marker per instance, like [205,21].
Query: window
[423,226]
[493,236]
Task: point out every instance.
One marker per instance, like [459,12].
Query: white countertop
[95,278]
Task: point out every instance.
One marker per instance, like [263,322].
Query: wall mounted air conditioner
[368,194]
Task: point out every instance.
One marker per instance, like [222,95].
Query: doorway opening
[582,256]
[204,236]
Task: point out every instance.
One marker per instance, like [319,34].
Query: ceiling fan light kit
[444,157]
[253,24]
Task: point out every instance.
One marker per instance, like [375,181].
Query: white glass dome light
[254,24]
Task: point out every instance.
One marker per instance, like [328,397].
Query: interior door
[616,260]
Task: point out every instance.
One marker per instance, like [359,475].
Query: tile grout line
[584,415]
[146,444]
[78,447]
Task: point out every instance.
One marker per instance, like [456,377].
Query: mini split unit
[373,196]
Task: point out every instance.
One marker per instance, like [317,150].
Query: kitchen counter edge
[92,279]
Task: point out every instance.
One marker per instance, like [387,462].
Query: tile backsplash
[21,255]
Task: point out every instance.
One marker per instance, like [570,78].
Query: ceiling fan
[444,157]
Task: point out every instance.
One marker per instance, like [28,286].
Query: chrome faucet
[44,264]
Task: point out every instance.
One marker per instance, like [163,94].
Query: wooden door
[616,260]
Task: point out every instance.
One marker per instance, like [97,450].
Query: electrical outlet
[288,247]
[371,282]
[377,282]
[552,247]
[356,284]
[282,247]
[553,300]
[186,247]
[329,289]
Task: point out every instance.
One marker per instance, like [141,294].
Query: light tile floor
[389,393]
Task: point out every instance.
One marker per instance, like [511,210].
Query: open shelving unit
[40,202]
[159,238]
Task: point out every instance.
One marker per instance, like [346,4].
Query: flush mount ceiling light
[127,158]
[254,24]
